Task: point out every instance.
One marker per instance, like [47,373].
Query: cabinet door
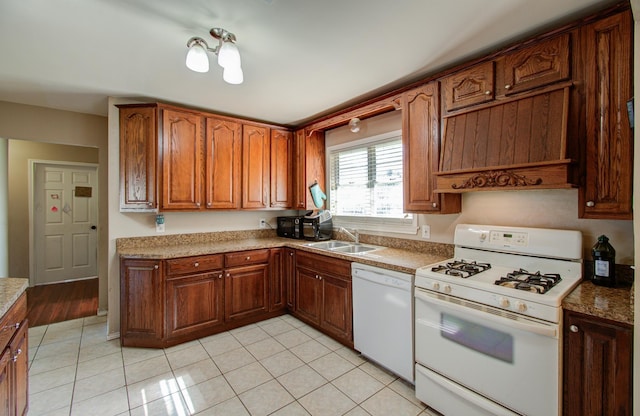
[138,153]
[194,303]
[309,167]
[289,270]
[281,195]
[6,383]
[182,146]
[337,310]
[277,279]
[608,185]
[308,299]
[141,302]
[471,86]
[20,368]
[541,64]
[597,367]
[246,291]
[420,147]
[255,167]
[223,163]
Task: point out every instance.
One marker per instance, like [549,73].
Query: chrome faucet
[355,235]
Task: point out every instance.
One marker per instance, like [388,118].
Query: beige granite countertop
[10,290]
[615,304]
[394,254]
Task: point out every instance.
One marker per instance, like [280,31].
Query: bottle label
[602,268]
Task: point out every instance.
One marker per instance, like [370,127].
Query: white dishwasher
[383,317]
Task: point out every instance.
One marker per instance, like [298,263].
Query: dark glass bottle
[604,262]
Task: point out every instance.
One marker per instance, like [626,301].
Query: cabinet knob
[156,267]
[15,357]
[487,92]
[507,87]
[198,204]
[574,328]
[591,204]
[248,258]
[434,204]
[149,203]
[291,254]
[228,274]
[209,204]
[196,264]
[220,277]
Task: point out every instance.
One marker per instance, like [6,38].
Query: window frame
[406,225]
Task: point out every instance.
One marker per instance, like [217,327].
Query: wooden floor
[62,301]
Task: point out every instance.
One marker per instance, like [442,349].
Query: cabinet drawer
[323,264]
[197,264]
[244,258]
[11,321]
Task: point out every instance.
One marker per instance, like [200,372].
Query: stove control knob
[447,289]
[435,286]
[521,306]
[504,302]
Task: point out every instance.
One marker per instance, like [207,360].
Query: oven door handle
[547,330]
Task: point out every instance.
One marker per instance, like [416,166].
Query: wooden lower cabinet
[246,292]
[167,302]
[289,272]
[141,303]
[277,279]
[323,295]
[194,304]
[597,366]
[14,360]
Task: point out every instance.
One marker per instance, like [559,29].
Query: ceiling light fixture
[227,52]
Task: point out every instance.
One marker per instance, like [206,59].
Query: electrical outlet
[263,223]
[160,228]
[426,232]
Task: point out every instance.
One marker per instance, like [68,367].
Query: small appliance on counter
[290,227]
[317,227]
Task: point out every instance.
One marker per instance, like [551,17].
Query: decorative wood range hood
[505,122]
[520,144]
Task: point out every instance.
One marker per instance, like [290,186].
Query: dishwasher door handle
[382,279]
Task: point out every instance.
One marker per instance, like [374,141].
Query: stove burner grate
[532,282]
[461,268]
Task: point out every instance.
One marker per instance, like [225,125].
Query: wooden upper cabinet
[309,167]
[608,185]
[281,195]
[420,148]
[223,163]
[138,155]
[182,148]
[471,86]
[540,64]
[255,167]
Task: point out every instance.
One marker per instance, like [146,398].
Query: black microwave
[290,227]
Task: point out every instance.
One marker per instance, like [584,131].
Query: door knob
[93,227]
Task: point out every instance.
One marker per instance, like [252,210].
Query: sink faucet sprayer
[355,235]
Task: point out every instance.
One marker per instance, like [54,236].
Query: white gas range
[488,321]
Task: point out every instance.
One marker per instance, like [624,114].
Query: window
[365,184]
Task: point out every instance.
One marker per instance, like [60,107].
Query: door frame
[32,171]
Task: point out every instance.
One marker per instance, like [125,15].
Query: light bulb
[233,75]
[197,59]
[228,55]
[354,125]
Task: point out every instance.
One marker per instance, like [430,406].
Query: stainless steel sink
[342,247]
[328,245]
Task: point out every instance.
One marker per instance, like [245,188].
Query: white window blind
[365,183]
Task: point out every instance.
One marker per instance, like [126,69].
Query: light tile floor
[276,367]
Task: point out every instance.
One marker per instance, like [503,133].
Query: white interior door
[65,222]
